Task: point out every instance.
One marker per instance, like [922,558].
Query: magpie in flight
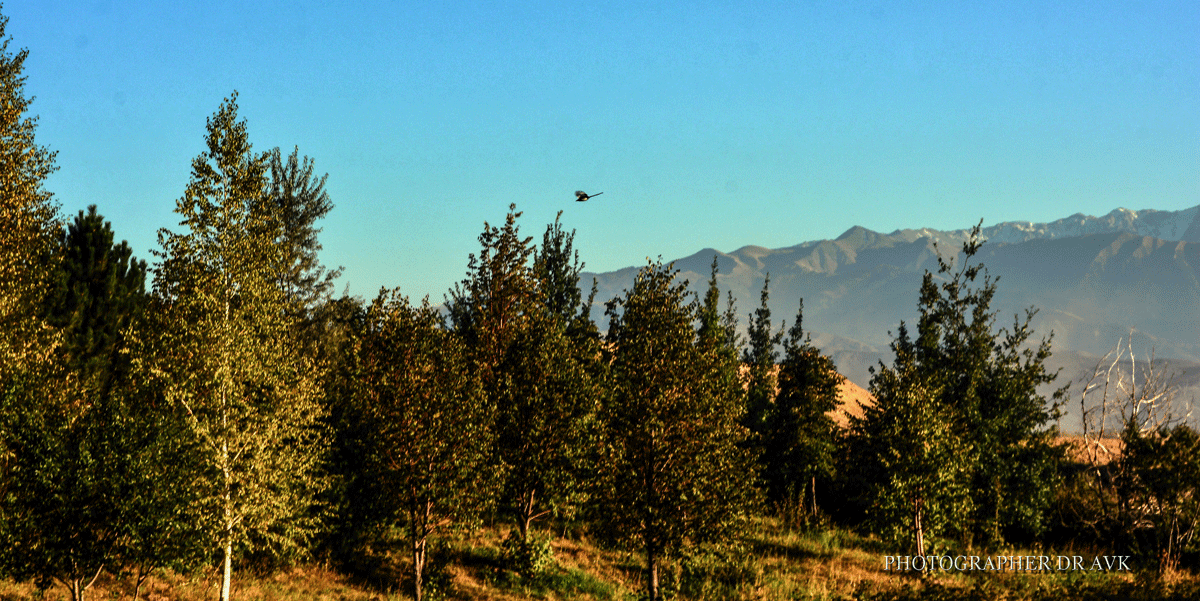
[581,196]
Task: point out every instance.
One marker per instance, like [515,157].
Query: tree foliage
[985,382]
[29,221]
[799,436]
[425,420]
[676,471]
[760,357]
[556,266]
[226,355]
[1160,482]
[912,464]
[98,293]
[298,199]
[535,349]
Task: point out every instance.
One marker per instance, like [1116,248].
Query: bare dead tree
[1126,492]
[1147,399]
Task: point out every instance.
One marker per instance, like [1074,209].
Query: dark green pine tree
[98,291]
[718,328]
[800,438]
[760,358]
[81,504]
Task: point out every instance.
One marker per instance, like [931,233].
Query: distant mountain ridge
[1172,226]
[1093,280]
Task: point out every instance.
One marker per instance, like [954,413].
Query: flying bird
[581,196]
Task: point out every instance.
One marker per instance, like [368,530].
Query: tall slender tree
[800,437]
[676,471]
[760,357]
[717,328]
[534,352]
[39,399]
[29,221]
[226,354]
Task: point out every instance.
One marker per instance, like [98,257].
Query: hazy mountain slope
[1093,279]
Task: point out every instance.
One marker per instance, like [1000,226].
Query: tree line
[237,413]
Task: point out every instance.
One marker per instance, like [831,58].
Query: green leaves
[799,436]
[676,472]
[427,419]
[225,356]
[967,393]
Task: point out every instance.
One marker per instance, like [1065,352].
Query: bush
[529,558]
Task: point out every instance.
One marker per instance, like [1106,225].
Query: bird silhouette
[581,196]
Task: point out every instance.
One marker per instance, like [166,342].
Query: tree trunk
[918,506]
[77,588]
[142,574]
[227,572]
[814,496]
[418,566]
[525,514]
[652,573]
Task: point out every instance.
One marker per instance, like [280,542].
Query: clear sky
[705,124]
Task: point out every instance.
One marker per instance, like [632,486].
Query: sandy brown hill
[851,400]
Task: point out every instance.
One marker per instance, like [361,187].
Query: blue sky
[705,124]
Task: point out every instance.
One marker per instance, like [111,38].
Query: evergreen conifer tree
[800,437]
[299,199]
[760,357]
[98,293]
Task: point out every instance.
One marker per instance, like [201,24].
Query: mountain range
[1092,281]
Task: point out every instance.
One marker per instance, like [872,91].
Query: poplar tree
[676,473]
[226,355]
[29,222]
[40,401]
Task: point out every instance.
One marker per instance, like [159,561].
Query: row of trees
[238,412]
